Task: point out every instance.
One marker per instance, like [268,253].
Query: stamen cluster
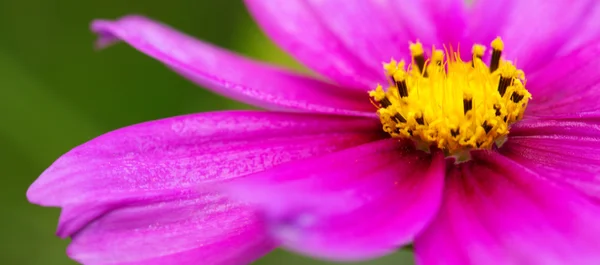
[453,104]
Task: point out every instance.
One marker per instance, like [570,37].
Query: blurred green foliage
[56,92]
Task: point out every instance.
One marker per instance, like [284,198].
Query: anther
[503,84]
[420,120]
[478,51]
[402,88]
[497,107]
[515,97]
[486,127]
[416,50]
[467,105]
[455,132]
[497,47]
[437,57]
[391,68]
[399,118]
[385,102]
[379,96]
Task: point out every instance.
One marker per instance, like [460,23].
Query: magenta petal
[496,211]
[562,151]
[524,26]
[375,31]
[588,30]
[298,28]
[184,229]
[449,17]
[165,164]
[547,127]
[568,86]
[230,74]
[483,29]
[348,40]
[355,204]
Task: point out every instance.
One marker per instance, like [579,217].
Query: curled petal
[350,205]
[229,74]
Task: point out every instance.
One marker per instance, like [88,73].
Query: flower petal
[300,30]
[449,18]
[230,74]
[348,41]
[496,211]
[160,167]
[568,86]
[524,26]
[186,229]
[566,152]
[355,204]
[588,30]
[548,127]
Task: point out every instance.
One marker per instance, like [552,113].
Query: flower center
[454,105]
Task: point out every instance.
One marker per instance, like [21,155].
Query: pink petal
[355,204]
[300,30]
[373,31]
[449,18]
[482,28]
[525,26]
[588,30]
[186,229]
[496,211]
[548,127]
[568,86]
[159,170]
[566,152]
[348,40]
[230,74]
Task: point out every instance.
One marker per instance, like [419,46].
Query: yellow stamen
[390,67]
[498,44]
[437,57]
[416,49]
[454,105]
[478,51]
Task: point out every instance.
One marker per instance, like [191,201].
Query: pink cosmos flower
[476,157]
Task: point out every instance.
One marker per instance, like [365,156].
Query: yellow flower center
[446,102]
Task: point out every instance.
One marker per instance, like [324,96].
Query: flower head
[454,105]
[332,176]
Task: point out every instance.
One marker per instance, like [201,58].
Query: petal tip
[35,193]
[105,36]
[32,193]
[74,253]
[46,190]
[108,30]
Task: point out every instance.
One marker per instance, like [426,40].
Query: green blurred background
[56,92]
